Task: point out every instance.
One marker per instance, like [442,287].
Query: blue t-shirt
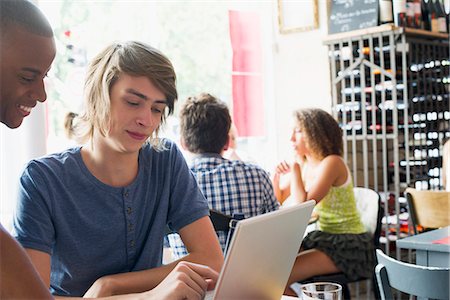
[91,229]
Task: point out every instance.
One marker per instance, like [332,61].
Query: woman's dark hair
[323,134]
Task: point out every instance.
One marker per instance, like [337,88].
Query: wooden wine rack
[390,94]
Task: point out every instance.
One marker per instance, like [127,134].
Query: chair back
[225,223]
[429,209]
[220,221]
[427,282]
[368,203]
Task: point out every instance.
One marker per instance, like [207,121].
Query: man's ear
[225,147]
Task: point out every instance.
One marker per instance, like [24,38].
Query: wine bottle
[417,14]
[347,52]
[410,7]
[426,20]
[440,15]
[433,16]
[400,13]
[386,12]
[447,13]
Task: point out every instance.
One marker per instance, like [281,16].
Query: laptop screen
[262,252]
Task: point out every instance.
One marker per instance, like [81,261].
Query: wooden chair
[427,282]
[368,203]
[428,209]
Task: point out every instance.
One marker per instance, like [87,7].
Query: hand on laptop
[186,281]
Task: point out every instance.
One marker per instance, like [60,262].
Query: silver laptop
[261,254]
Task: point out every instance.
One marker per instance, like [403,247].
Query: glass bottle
[440,15]
[400,13]
[433,16]
[417,14]
[410,9]
[386,12]
[426,18]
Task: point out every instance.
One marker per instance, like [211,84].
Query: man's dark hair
[25,14]
[205,122]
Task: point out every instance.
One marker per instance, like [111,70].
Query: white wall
[17,147]
[301,76]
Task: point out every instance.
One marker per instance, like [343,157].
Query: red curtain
[248,98]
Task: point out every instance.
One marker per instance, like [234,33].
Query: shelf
[378,136]
[384,29]
[361,33]
[425,33]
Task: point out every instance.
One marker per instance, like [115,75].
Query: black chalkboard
[349,15]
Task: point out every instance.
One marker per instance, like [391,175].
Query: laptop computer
[261,254]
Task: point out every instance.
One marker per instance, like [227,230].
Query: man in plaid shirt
[230,186]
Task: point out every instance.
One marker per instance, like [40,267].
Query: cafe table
[432,247]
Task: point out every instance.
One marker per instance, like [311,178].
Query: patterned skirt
[353,254]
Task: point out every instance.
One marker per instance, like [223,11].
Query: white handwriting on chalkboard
[368,11]
[368,24]
[356,14]
[345,28]
[342,18]
[345,3]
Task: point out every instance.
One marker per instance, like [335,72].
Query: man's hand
[102,287]
[186,281]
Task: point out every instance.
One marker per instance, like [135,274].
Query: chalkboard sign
[349,15]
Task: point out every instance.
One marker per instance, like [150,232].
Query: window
[194,35]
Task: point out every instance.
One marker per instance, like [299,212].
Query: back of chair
[220,221]
[368,203]
[429,209]
[428,282]
[225,223]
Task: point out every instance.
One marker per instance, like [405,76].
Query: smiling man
[27,50]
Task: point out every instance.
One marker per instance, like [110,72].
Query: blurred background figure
[232,153]
[230,186]
[319,172]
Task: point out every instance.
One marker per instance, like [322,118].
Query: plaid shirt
[230,186]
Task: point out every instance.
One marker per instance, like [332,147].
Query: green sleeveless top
[337,211]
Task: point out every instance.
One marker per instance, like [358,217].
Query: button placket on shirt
[129,213]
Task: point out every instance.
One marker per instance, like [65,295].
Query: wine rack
[390,94]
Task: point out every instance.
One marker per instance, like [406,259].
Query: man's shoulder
[164,147]
[58,158]
[209,164]
[249,166]
[55,166]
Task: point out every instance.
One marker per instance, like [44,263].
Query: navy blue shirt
[91,229]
